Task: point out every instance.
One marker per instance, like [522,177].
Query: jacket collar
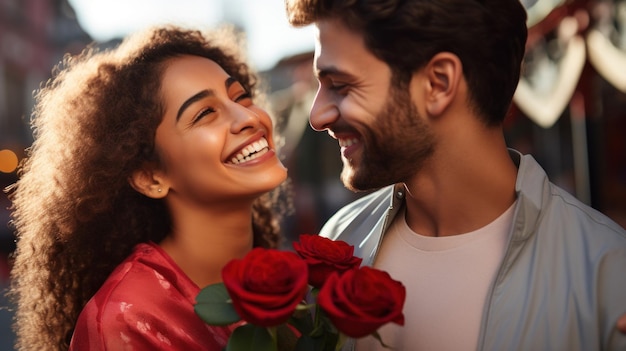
[530,188]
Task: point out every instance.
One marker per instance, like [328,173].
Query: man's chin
[347,177]
[356,182]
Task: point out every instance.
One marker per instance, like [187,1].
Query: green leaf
[286,338]
[323,342]
[214,307]
[304,307]
[302,320]
[341,339]
[323,325]
[249,337]
[332,342]
[307,343]
[380,340]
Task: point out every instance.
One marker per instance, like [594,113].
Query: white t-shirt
[447,281]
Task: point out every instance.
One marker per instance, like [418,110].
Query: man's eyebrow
[330,70]
[201,95]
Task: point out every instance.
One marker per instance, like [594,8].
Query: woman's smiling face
[215,144]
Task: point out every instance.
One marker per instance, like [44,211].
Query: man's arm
[621,323]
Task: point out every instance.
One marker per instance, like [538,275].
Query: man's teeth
[252,151]
[348,142]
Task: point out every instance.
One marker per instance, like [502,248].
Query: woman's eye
[203,113]
[244,96]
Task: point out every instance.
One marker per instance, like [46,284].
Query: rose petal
[325,256]
[362,300]
[266,285]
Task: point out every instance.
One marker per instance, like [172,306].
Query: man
[493,255]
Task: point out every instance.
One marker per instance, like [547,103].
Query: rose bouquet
[308,300]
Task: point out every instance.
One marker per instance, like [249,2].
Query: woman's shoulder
[145,302]
[146,278]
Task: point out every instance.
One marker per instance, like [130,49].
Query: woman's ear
[444,73]
[149,181]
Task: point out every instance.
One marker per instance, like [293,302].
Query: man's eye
[338,87]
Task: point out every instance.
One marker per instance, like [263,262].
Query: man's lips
[250,152]
[348,145]
[346,142]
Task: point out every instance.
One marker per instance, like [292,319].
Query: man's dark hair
[488,36]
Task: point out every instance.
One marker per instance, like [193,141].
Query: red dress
[146,304]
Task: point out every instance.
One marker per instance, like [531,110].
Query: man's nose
[324,111]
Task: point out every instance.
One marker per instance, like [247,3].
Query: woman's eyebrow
[230,81]
[202,94]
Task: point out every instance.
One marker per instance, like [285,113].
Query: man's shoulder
[550,206]
[577,215]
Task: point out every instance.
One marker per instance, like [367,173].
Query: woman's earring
[159,190]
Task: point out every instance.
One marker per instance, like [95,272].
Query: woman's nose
[323,111]
[243,117]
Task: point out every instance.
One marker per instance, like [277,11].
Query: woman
[151,168]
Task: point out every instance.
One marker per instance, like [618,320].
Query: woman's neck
[202,241]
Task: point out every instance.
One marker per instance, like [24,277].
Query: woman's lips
[250,152]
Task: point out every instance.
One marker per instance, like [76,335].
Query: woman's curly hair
[76,216]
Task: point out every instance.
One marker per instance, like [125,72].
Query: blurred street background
[569,111]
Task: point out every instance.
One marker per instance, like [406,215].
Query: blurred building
[570,105]
[34,36]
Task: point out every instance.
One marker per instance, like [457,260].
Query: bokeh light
[8,161]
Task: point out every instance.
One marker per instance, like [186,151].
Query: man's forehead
[337,49]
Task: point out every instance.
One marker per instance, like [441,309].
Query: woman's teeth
[252,151]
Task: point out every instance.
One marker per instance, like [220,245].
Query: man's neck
[461,189]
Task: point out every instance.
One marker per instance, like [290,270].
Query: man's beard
[394,147]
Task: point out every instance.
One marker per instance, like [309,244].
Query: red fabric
[146,304]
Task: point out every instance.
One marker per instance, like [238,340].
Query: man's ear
[149,181]
[444,73]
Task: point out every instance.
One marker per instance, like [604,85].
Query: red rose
[266,285]
[325,256]
[362,300]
